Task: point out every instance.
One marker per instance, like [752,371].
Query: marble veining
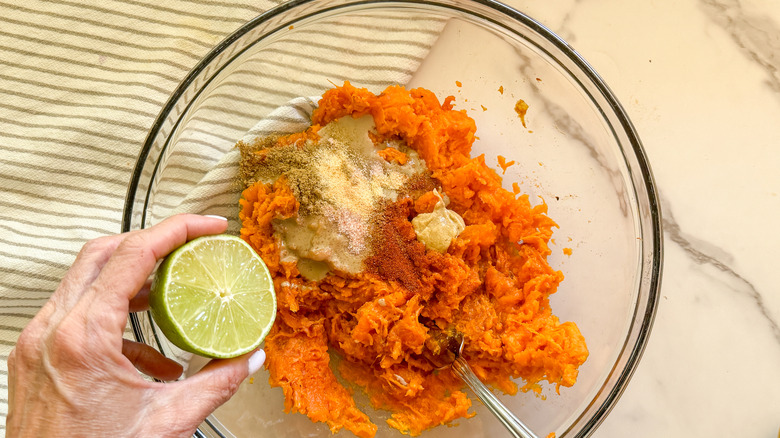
[756,34]
[703,252]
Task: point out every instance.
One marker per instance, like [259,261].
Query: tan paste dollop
[437,229]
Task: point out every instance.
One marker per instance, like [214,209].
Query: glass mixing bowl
[577,152]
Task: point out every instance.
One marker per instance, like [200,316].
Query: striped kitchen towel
[81,83]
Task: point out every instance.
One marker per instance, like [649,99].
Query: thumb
[199,395]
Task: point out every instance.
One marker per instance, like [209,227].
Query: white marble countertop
[701,81]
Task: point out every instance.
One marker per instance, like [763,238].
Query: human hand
[72,374]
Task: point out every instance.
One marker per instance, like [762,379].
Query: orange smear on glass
[502,163]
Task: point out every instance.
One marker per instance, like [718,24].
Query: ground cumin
[492,284]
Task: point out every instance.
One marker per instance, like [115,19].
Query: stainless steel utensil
[444,350]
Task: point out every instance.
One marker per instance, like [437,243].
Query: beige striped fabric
[81,83]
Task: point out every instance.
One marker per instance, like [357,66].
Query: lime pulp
[214,297]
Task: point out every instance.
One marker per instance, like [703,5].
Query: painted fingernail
[214,216]
[256,361]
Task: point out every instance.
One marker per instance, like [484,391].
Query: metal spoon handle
[507,418]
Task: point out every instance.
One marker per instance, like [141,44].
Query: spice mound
[377,226]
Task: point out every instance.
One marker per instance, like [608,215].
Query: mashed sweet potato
[492,284]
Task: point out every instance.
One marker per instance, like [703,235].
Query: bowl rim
[654,206]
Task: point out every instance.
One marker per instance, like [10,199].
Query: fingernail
[256,361]
[214,216]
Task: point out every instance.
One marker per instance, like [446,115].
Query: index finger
[135,258]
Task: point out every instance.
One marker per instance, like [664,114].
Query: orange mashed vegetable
[492,284]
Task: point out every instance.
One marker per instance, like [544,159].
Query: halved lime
[214,297]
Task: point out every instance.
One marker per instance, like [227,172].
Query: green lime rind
[214,297]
